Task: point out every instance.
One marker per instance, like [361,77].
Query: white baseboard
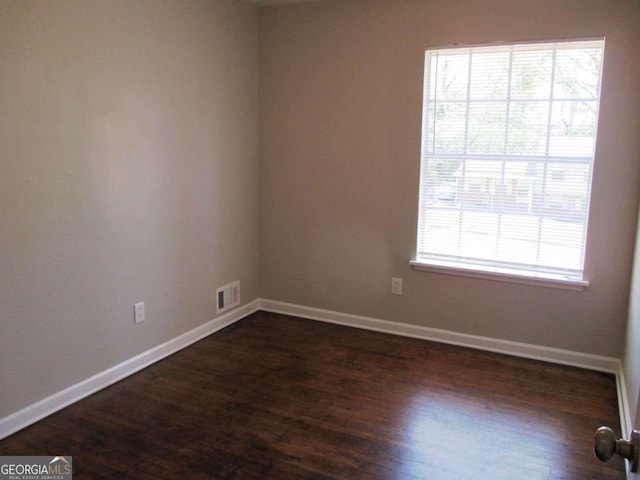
[547,354]
[31,414]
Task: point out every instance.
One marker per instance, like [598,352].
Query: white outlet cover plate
[396,286]
[138,312]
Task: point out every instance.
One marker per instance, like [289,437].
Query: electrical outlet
[138,312]
[228,296]
[396,286]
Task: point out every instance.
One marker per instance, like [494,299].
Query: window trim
[512,274]
[501,274]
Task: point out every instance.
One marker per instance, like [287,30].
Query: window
[508,140]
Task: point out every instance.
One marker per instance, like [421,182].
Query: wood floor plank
[279,397]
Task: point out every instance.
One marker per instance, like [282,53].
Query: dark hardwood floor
[276,397]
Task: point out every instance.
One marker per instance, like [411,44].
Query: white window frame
[547,277]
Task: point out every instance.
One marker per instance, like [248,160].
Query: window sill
[500,274]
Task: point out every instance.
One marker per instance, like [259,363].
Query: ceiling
[270,3]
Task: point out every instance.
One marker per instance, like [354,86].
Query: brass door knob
[606,446]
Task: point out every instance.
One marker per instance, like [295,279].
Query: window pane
[441,233]
[452,77]
[487,127]
[577,73]
[489,75]
[479,234]
[520,182]
[560,244]
[573,128]
[518,241]
[531,73]
[566,191]
[448,126]
[528,125]
[477,183]
[440,175]
[428,135]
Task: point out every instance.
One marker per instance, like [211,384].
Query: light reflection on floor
[460,437]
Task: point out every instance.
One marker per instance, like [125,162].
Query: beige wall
[340,111]
[128,172]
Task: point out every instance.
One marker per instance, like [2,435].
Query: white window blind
[508,143]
